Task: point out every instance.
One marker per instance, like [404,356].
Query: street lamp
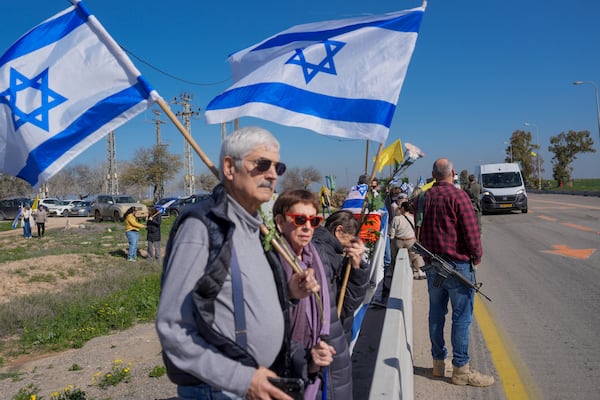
[537,134]
[597,103]
[509,143]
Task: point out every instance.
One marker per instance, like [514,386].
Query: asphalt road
[542,270]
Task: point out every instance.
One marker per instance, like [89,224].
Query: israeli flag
[338,78]
[64,85]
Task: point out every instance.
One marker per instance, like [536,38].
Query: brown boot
[439,368]
[466,375]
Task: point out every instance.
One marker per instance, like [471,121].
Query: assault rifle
[445,268]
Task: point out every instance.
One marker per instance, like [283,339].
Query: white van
[502,187]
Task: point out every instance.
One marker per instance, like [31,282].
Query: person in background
[41,216]
[132,231]
[449,229]
[217,345]
[26,221]
[474,190]
[338,244]
[375,187]
[402,234]
[153,236]
[295,214]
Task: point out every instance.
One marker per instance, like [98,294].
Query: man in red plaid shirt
[449,228]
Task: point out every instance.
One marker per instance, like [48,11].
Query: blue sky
[480,70]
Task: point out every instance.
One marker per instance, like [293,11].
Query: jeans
[153,250]
[132,238]
[26,228]
[203,392]
[461,298]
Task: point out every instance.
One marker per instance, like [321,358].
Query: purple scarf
[306,322]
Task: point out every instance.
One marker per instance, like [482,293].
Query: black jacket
[153,227]
[339,385]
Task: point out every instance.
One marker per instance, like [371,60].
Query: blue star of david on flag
[63,86]
[326,65]
[357,101]
[36,87]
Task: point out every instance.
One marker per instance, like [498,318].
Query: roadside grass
[117,295]
[585,185]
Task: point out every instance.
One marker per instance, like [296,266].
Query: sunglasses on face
[300,219]
[263,165]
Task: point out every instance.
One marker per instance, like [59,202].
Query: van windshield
[501,180]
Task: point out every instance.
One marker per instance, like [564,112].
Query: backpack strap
[239,313]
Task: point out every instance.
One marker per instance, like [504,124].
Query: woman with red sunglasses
[295,215]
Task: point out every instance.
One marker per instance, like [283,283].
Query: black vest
[213,214]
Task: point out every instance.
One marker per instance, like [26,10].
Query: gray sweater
[175,323]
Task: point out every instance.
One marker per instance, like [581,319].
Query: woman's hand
[322,355]
[302,284]
[355,251]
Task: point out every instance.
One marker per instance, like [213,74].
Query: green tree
[523,151]
[566,147]
[154,166]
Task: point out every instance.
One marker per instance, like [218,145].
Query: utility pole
[111,184]
[186,114]
[160,185]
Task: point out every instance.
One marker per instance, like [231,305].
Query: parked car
[80,208]
[55,206]
[177,207]
[162,204]
[115,206]
[9,207]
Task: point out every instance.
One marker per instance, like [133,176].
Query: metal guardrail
[393,375]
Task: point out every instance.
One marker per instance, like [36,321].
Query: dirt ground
[137,347]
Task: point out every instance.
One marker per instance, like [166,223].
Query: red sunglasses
[300,219]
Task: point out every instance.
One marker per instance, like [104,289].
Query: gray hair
[241,142]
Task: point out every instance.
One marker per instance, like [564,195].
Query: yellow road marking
[504,360]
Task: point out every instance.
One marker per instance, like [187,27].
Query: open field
[60,292]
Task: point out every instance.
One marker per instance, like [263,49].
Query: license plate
[505,205]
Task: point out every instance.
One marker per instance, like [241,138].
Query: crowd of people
[259,309]
[259,291]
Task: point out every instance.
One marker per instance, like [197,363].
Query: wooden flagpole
[361,222]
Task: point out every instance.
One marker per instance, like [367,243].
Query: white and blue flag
[338,78]
[64,85]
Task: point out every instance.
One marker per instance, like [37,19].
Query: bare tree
[151,167]
[296,178]
[292,179]
[78,180]
[12,186]
[207,181]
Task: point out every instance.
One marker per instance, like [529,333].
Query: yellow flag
[389,155]
[35,202]
[427,185]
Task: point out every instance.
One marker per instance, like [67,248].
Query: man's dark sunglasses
[300,219]
[263,165]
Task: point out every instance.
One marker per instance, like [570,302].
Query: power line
[169,74]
